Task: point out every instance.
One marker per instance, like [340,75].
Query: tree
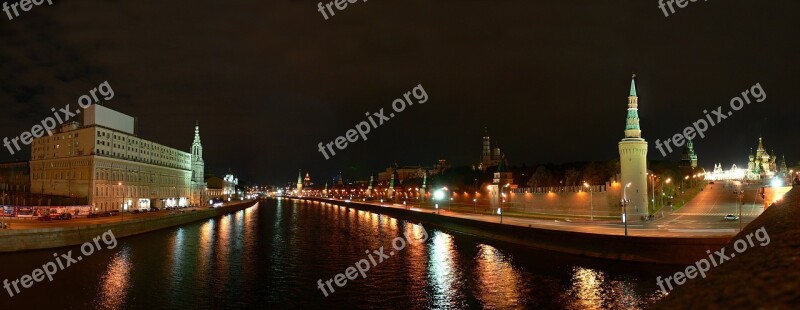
[541,177]
[573,177]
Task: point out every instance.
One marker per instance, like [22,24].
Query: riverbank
[763,277]
[648,249]
[15,240]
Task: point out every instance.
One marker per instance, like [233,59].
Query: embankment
[632,248]
[57,237]
[763,277]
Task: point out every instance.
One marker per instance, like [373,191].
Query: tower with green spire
[633,162]
[299,183]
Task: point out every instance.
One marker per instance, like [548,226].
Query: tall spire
[632,129]
[299,177]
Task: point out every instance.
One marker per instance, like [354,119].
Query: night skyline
[549,80]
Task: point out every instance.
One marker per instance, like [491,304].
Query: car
[113,213]
[136,211]
[154,209]
[65,216]
[731,217]
[92,215]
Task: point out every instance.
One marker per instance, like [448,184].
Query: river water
[273,254]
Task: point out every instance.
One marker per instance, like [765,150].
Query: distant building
[688,164]
[411,172]
[761,165]
[633,161]
[221,187]
[105,161]
[489,157]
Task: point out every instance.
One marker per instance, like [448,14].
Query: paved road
[82,221]
[675,230]
[710,206]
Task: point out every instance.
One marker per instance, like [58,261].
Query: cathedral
[762,165]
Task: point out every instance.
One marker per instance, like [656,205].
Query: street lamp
[591,200]
[625,207]
[740,201]
[122,208]
[662,195]
[500,212]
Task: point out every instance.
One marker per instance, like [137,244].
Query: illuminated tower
[307,180]
[299,182]
[633,161]
[198,183]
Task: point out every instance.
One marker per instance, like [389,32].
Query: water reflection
[442,276]
[114,284]
[499,284]
[591,289]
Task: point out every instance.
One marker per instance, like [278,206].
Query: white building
[104,161]
[633,161]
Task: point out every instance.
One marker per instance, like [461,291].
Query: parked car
[113,213]
[731,217]
[65,216]
[92,215]
[136,211]
[153,209]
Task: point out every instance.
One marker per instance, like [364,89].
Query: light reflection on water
[114,283]
[273,255]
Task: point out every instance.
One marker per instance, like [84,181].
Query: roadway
[701,217]
[18,224]
[710,206]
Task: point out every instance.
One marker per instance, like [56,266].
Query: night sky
[269,80]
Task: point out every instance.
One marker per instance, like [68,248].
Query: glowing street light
[669,180]
[591,200]
[625,207]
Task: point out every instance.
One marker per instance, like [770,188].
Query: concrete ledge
[58,237]
[670,250]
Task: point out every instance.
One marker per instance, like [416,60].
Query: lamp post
[654,192]
[740,200]
[662,195]
[122,208]
[591,201]
[625,207]
[500,212]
